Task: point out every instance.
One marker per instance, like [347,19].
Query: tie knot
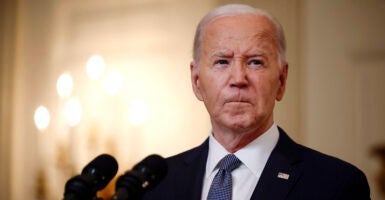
[229,162]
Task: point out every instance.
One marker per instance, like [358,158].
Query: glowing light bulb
[73,112]
[112,83]
[64,85]
[42,118]
[138,112]
[95,66]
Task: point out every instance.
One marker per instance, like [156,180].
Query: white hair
[233,10]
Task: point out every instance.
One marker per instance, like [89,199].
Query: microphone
[145,175]
[95,176]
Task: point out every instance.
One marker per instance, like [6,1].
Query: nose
[238,75]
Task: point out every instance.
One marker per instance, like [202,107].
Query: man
[239,71]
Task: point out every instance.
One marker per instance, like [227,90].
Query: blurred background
[83,77]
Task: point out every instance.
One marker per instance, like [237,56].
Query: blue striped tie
[221,187]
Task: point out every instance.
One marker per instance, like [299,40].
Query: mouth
[237,99]
[237,102]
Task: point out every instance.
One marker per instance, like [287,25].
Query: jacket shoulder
[321,175]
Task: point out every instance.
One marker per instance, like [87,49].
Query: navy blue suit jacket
[312,176]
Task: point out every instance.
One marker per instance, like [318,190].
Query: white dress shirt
[253,156]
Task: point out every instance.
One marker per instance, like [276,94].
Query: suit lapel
[192,172]
[281,172]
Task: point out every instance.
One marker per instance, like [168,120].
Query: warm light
[112,83]
[95,66]
[138,112]
[42,118]
[73,112]
[64,85]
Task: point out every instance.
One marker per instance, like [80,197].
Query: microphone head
[104,167]
[145,175]
[153,168]
[95,176]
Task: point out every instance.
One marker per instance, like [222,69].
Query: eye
[221,62]
[255,63]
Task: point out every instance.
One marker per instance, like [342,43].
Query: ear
[194,69]
[282,79]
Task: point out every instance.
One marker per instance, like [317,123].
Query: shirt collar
[254,155]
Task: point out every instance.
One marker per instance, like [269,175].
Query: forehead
[244,28]
[253,20]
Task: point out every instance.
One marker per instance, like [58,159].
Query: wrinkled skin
[239,77]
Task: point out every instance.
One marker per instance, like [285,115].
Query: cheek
[212,83]
[212,88]
[266,89]
[211,92]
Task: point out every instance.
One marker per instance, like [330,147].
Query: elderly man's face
[238,76]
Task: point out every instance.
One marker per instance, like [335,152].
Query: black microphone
[95,176]
[145,175]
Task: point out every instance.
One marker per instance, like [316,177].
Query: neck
[233,140]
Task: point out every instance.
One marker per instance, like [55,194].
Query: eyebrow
[255,55]
[223,54]
[230,54]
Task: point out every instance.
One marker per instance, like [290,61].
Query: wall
[343,62]
[334,100]
[147,42]
[8,19]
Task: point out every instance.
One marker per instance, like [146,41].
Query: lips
[237,107]
[237,100]
[237,97]
[237,103]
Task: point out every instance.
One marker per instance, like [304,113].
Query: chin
[240,125]
[244,123]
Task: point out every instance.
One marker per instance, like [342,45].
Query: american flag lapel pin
[283,175]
